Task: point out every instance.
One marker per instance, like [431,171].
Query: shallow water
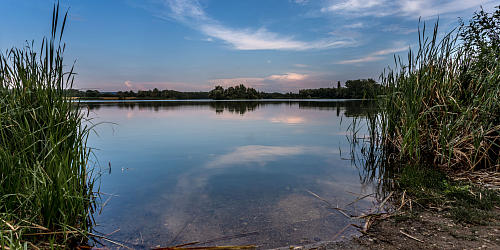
[185,171]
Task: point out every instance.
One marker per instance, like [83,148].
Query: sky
[195,45]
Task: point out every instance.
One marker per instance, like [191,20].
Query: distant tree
[482,37]
[92,93]
[107,94]
[141,93]
[74,93]
[155,93]
[361,88]
[236,92]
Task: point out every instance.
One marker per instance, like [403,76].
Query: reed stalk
[46,179]
[441,107]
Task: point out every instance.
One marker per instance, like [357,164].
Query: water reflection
[350,108]
[263,154]
[289,119]
[371,160]
[192,174]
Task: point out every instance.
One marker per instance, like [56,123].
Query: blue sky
[194,45]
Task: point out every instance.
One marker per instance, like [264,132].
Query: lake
[226,172]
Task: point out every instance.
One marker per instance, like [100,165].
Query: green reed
[46,179]
[441,107]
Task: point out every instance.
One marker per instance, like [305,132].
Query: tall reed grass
[46,180]
[441,107]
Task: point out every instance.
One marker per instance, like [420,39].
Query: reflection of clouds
[190,181]
[289,119]
[237,116]
[262,154]
[130,114]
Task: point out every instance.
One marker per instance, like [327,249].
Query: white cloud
[429,8]
[303,2]
[262,39]
[376,56]
[301,65]
[187,8]
[192,14]
[259,82]
[390,51]
[353,5]
[75,17]
[289,77]
[398,29]
[355,25]
[366,59]
[127,83]
[345,33]
[407,8]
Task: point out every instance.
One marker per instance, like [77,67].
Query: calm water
[185,171]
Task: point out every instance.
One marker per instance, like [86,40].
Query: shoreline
[427,230]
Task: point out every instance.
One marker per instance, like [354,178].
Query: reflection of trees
[368,157]
[144,105]
[239,107]
[350,108]
[234,93]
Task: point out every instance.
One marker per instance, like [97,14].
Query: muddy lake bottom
[297,219]
[429,230]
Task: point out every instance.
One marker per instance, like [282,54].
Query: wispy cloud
[189,8]
[75,17]
[406,8]
[361,60]
[355,25]
[376,56]
[289,77]
[190,12]
[390,51]
[128,84]
[347,33]
[301,65]
[353,5]
[262,39]
[398,29]
[259,82]
[303,2]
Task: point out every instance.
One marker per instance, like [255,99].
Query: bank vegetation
[441,107]
[46,177]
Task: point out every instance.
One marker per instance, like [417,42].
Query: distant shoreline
[172,99]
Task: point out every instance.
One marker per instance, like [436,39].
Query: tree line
[353,89]
[233,93]
[349,108]
[141,94]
